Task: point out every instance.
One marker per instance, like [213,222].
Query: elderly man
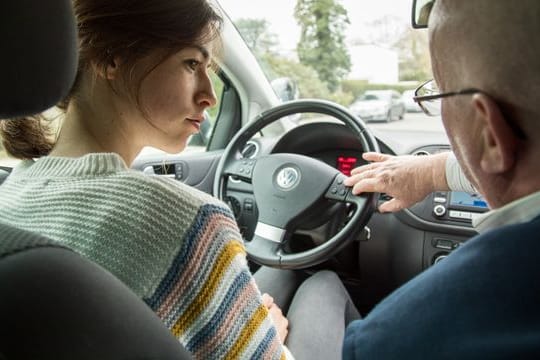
[483,300]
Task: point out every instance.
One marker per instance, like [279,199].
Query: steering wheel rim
[265,247]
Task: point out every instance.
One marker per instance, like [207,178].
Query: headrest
[38,55]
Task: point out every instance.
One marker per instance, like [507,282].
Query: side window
[199,141]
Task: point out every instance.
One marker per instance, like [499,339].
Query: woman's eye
[192,64]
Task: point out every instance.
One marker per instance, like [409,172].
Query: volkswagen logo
[287,178]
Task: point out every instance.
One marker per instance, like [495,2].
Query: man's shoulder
[483,294]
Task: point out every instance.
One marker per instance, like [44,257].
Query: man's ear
[498,140]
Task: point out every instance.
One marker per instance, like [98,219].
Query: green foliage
[256,35]
[322,42]
[413,50]
[307,79]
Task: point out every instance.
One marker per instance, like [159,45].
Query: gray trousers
[319,309]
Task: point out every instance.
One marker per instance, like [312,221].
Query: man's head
[491,45]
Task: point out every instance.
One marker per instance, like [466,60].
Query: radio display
[346,163]
[460,198]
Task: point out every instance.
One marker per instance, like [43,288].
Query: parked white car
[379,105]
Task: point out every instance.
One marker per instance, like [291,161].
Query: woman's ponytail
[27,138]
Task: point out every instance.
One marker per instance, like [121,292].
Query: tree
[322,41]
[414,61]
[257,36]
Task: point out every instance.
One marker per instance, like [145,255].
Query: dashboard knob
[439,258]
[439,210]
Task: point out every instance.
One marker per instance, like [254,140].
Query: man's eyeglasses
[421,9]
[428,97]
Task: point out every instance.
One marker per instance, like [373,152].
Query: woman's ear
[498,140]
[110,71]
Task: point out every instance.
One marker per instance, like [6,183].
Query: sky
[279,14]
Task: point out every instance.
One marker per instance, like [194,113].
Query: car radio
[458,206]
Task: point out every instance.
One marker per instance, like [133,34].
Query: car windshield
[357,49]
[371,47]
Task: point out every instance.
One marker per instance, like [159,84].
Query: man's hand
[280,321]
[407,179]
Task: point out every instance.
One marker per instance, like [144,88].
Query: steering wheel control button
[439,210]
[337,191]
[287,178]
[244,169]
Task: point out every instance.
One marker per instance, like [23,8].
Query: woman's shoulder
[167,189]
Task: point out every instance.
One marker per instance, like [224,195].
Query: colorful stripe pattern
[211,302]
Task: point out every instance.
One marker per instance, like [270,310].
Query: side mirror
[420,13]
[285,88]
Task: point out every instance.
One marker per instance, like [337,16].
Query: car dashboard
[394,247]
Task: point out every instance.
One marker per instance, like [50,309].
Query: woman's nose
[207,96]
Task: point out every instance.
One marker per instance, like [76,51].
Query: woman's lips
[195,122]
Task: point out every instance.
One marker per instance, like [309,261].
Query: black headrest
[38,54]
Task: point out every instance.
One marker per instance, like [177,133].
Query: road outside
[412,121]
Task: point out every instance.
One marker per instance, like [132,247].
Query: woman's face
[174,96]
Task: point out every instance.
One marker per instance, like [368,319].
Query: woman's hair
[119,29]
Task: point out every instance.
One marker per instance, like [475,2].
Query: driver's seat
[54,303]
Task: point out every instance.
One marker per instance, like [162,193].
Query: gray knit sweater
[177,248]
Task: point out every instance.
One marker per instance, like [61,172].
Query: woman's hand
[280,321]
[407,179]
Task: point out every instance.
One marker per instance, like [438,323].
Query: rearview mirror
[420,13]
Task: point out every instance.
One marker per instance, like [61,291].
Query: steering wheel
[288,187]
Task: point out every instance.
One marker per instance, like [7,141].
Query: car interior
[282,179]
[253,127]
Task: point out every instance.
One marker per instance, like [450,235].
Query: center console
[450,215]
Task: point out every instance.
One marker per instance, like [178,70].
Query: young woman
[143,80]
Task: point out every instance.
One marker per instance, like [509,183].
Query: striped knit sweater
[177,248]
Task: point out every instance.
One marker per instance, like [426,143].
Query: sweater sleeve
[208,297]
